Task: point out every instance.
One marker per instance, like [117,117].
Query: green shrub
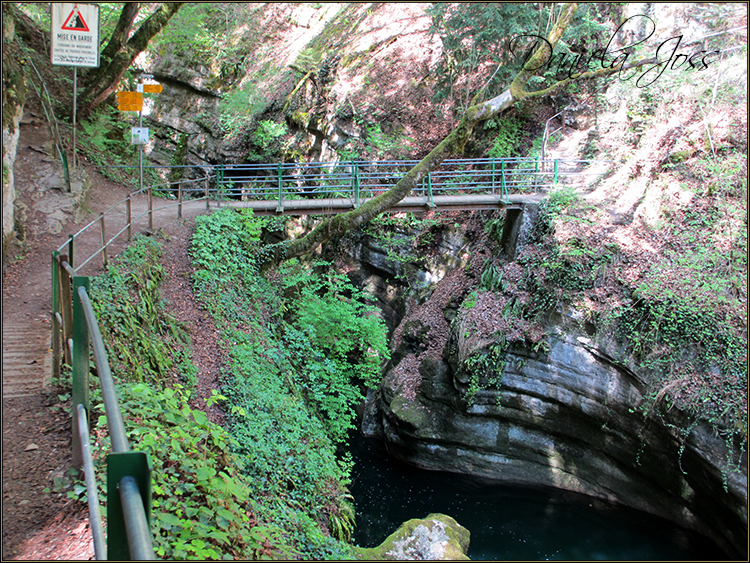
[338,342]
[145,343]
[301,340]
[202,505]
[508,136]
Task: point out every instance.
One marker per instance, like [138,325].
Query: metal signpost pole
[74,42]
[75,107]
[140,154]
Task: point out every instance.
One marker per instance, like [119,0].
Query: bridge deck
[413,204]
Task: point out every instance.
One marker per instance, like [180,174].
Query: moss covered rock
[436,537]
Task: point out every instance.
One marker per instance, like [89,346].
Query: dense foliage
[302,343]
[203,505]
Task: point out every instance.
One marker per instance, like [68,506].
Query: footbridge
[457,184]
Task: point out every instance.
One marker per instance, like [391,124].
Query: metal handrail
[95,515]
[130,220]
[357,180]
[282,181]
[128,472]
[115,422]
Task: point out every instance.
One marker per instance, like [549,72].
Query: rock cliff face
[14,96]
[319,70]
[564,416]
[10,146]
[564,420]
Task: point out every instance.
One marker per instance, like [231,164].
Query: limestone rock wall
[14,97]
[11,133]
[565,419]
[396,274]
[560,413]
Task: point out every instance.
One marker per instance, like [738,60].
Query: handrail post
[280,207]
[104,239]
[431,203]
[67,309]
[554,181]
[80,377]
[355,173]
[179,200]
[504,185]
[150,209]
[71,240]
[129,207]
[55,314]
[207,205]
[493,175]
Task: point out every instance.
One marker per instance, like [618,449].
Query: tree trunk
[121,32]
[109,75]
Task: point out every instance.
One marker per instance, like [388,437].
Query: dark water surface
[510,522]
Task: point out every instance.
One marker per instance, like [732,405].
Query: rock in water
[436,537]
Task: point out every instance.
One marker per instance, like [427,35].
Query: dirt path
[36,426]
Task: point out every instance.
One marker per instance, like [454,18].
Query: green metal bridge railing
[357,180]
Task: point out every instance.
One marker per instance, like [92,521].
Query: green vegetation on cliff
[302,344]
[202,503]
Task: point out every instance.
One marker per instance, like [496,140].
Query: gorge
[580,355]
[564,416]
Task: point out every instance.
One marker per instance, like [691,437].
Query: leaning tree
[477,112]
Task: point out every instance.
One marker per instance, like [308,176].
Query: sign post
[75,42]
[133,101]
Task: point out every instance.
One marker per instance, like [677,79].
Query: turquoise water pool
[510,522]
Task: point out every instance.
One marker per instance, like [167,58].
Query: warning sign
[75,21]
[75,34]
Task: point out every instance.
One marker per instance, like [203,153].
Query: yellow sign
[129,101]
[152,88]
[129,96]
